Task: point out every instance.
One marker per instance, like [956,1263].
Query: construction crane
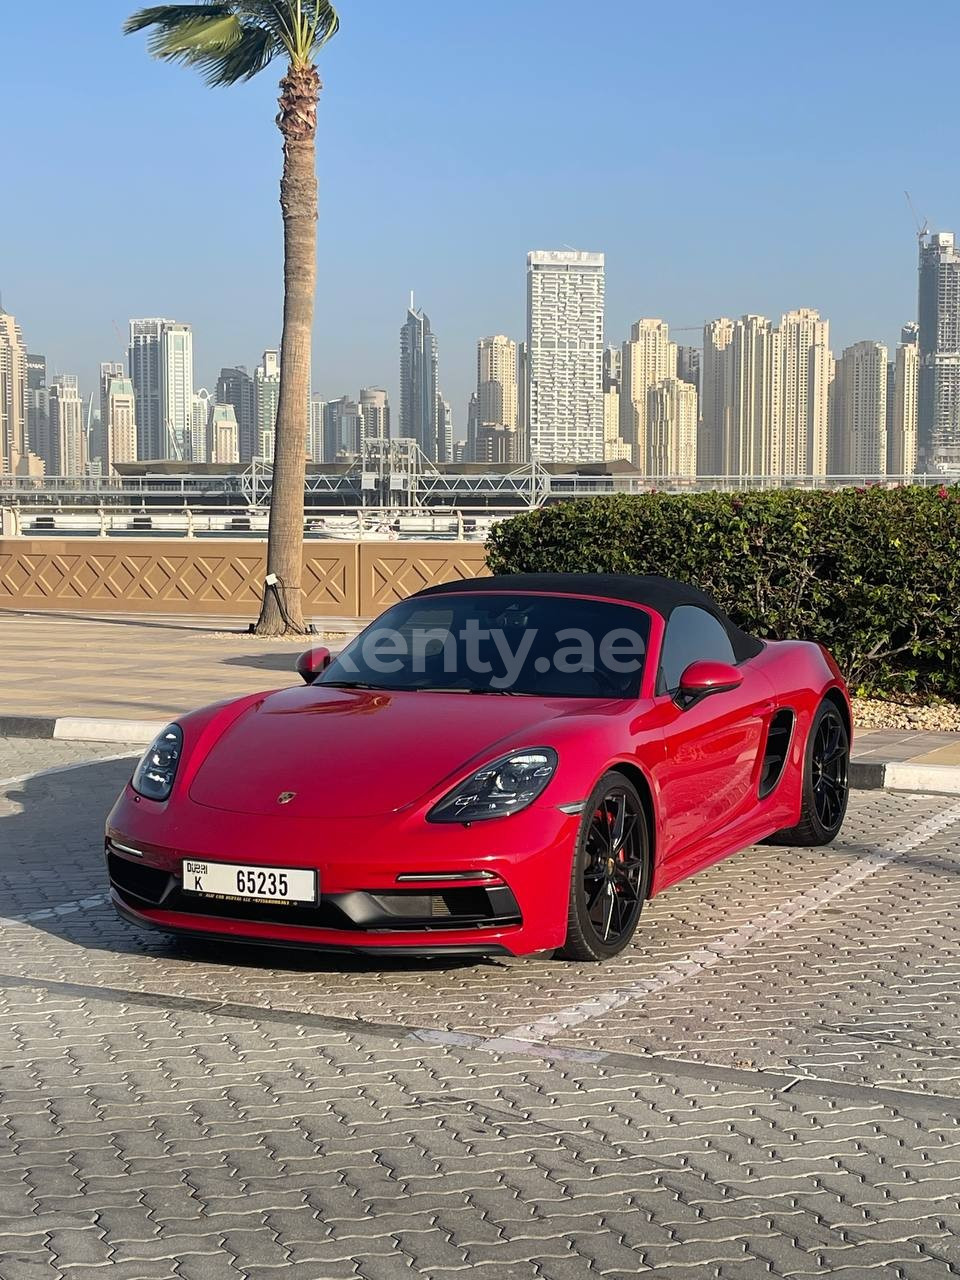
[921,230]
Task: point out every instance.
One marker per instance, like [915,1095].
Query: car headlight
[500,788]
[154,775]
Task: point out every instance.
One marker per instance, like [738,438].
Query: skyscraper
[939,316]
[615,448]
[199,441]
[902,414]
[13,394]
[343,429]
[119,423]
[804,373]
[315,439]
[266,385]
[176,388]
[497,381]
[862,410]
[716,398]
[67,437]
[224,445]
[671,428]
[143,362]
[418,385]
[766,393]
[753,423]
[444,429]
[97,446]
[564,355]
[160,361]
[648,357]
[235,386]
[688,365]
[375,407]
[38,407]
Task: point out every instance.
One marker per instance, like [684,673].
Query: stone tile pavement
[789,1106]
[136,668]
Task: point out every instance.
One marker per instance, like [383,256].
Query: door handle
[762,708]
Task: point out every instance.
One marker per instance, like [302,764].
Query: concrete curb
[865,775]
[81,729]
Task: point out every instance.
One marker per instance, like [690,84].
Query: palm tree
[228,41]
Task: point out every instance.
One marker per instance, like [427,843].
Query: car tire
[610,873]
[826,787]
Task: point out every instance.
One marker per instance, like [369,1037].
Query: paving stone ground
[761,1102]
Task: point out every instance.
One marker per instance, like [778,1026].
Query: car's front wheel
[610,877]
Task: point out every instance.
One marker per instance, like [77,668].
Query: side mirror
[703,678]
[312,664]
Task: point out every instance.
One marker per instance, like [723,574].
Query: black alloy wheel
[611,872]
[826,782]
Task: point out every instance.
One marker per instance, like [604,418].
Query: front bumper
[514,900]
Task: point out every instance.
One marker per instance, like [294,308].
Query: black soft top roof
[661,594]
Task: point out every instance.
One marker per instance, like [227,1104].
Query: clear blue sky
[726,157]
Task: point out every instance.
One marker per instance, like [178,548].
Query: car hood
[345,753]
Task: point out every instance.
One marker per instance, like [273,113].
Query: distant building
[497,381]
[143,362]
[199,443]
[315,438]
[765,402]
[861,399]
[902,411]
[648,357]
[342,430]
[224,438]
[564,355]
[497,444]
[375,407]
[939,340]
[804,371]
[671,429]
[160,362]
[68,439]
[266,383]
[97,448]
[235,386]
[445,427]
[419,386]
[716,398]
[13,394]
[688,365]
[615,448]
[38,407]
[119,424]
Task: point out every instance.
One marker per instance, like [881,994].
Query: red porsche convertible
[502,765]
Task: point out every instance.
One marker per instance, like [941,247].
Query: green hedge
[873,573]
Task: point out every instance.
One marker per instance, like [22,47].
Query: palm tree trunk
[297,121]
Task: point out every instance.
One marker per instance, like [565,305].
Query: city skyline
[776,400]
[750,213]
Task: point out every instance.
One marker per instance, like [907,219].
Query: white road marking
[695,962]
[63,768]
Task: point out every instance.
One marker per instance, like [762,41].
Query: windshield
[546,646]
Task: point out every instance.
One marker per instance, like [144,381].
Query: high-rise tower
[564,355]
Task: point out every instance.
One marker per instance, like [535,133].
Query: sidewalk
[137,668]
[119,678]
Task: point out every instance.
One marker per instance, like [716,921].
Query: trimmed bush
[874,574]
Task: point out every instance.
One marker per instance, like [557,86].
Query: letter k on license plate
[239,880]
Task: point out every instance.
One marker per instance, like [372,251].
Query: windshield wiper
[355,684]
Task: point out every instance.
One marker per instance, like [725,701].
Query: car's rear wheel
[610,877]
[826,786]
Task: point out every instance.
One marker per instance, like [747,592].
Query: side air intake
[776,750]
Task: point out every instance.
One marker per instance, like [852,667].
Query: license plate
[247,883]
